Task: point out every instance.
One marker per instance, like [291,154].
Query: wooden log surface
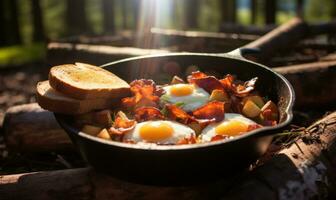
[279,39]
[304,170]
[314,83]
[29,128]
[60,53]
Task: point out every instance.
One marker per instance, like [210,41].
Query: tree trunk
[124,14]
[14,26]
[270,11]
[108,16]
[76,18]
[228,9]
[191,8]
[136,10]
[3,24]
[38,27]
[299,8]
[254,11]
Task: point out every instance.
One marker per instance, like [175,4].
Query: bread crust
[54,101]
[74,81]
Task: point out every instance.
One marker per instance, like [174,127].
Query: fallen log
[303,170]
[29,128]
[279,39]
[199,41]
[314,83]
[60,53]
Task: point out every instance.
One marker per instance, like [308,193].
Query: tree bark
[229,11]
[108,15]
[191,8]
[14,27]
[270,11]
[3,36]
[38,26]
[76,18]
[254,11]
[29,128]
[313,83]
[303,170]
[279,39]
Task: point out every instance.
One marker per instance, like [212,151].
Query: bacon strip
[145,94]
[208,83]
[237,87]
[210,111]
[147,114]
[177,114]
[122,124]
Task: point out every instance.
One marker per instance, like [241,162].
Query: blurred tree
[229,11]
[13,26]
[38,27]
[270,11]
[76,18]
[254,11]
[191,8]
[299,8]
[124,13]
[108,16]
[135,10]
[3,24]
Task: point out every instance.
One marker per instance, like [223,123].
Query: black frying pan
[194,162]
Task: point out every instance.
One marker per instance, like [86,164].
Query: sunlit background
[28,24]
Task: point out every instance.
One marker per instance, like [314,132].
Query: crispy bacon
[145,94]
[121,124]
[190,140]
[208,83]
[218,137]
[177,114]
[252,127]
[213,110]
[237,87]
[147,113]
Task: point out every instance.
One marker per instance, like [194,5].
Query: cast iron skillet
[185,163]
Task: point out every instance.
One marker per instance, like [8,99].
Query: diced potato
[91,130]
[176,80]
[270,111]
[219,95]
[255,99]
[250,109]
[104,134]
[103,118]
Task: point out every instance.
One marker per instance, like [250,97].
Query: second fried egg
[189,96]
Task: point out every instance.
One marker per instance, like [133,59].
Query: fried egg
[159,132]
[232,125]
[189,96]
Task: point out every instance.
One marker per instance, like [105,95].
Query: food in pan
[201,109]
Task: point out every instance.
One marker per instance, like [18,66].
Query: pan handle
[245,53]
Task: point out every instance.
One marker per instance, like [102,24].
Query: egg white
[196,99]
[180,132]
[209,131]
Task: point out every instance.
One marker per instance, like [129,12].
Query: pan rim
[153,147]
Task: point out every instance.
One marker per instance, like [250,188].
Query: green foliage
[17,55]
[320,10]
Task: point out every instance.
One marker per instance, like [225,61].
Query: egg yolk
[231,128]
[181,90]
[155,131]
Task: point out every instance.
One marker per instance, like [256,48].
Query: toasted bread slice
[50,99]
[84,81]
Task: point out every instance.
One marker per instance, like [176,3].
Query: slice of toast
[84,81]
[54,101]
